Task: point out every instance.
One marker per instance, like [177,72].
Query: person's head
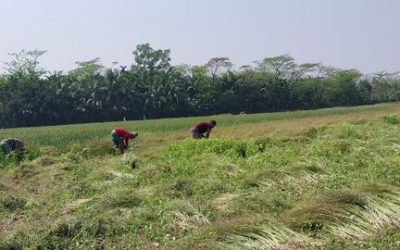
[134,135]
[19,143]
[213,123]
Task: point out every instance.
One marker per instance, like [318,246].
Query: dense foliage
[153,88]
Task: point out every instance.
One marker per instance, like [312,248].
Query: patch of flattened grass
[82,232]
[314,168]
[257,179]
[378,188]
[347,197]
[17,240]
[312,216]
[184,216]
[122,199]
[182,187]
[13,203]
[68,227]
[346,213]
[272,202]
[251,231]
[315,213]
[45,161]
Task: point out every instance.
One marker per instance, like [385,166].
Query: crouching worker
[202,129]
[11,144]
[121,137]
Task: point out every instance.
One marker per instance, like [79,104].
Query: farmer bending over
[11,144]
[202,129]
[120,138]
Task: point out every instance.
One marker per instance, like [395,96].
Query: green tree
[25,63]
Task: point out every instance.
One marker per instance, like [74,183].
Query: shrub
[312,132]
[347,130]
[13,203]
[12,159]
[182,186]
[221,146]
[92,148]
[122,199]
[18,240]
[68,228]
[392,119]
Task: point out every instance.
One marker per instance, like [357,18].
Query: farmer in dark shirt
[202,129]
[11,144]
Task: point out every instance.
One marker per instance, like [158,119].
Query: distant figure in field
[121,137]
[202,129]
[11,144]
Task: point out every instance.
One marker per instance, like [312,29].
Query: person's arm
[22,146]
[208,132]
[121,144]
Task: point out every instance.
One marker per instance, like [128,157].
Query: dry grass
[223,201]
[271,236]
[349,214]
[379,212]
[287,128]
[291,127]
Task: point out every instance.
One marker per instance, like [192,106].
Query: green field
[320,179]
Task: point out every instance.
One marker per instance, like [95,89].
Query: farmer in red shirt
[202,129]
[120,138]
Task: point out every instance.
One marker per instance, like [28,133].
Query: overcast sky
[361,34]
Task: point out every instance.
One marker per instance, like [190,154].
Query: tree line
[153,88]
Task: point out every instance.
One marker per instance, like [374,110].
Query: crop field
[318,179]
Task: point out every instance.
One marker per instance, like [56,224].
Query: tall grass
[325,179]
[64,135]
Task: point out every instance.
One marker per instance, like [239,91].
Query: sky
[360,34]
